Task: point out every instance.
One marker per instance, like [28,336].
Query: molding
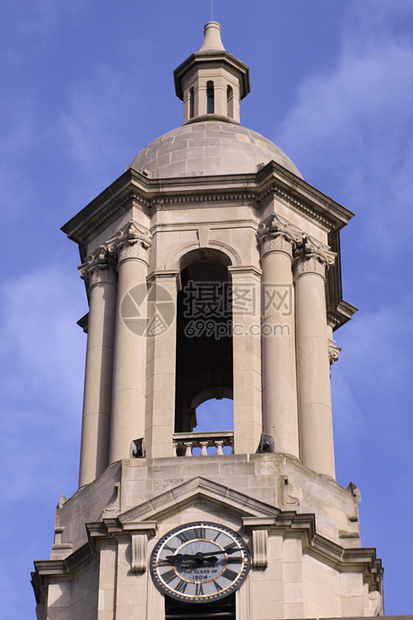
[118,207]
[272,179]
[245,270]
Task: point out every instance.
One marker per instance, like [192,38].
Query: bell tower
[212,270]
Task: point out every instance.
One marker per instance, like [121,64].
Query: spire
[212,82]
[212,38]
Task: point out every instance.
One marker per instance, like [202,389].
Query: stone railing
[185,443]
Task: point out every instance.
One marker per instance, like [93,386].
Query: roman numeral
[164,562]
[173,549]
[230,574]
[200,532]
[184,536]
[217,586]
[181,587]
[199,590]
[168,576]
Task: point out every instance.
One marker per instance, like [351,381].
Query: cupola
[212,82]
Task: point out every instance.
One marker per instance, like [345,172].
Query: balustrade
[186,443]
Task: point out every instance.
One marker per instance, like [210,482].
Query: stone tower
[212,270]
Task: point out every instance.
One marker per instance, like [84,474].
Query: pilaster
[246,343]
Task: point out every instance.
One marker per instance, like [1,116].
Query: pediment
[191,491]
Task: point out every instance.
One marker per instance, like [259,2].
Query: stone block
[266,589]
[293,593]
[59,595]
[267,609]
[292,550]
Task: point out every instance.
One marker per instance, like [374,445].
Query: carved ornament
[260,548]
[279,235]
[139,545]
[98,268]
[333,352]
[128,236]
[313,257]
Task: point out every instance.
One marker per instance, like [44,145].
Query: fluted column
[100,274]
[129,372]
[314,395]
[277,240]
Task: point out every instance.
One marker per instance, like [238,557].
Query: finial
[212,37]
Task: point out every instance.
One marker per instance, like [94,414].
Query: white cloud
[42,359]
[95,109]
[39,334]
[354,124]
[370,383]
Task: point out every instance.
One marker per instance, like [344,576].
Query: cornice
[254,189]
[118,207]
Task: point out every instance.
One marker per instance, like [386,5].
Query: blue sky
[86,84]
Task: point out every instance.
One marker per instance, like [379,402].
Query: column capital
[131,241]
[278,235]
[313,257]
[98,268]
[333,351]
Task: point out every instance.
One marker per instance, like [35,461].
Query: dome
[208,148]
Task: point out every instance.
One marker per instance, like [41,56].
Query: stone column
[129,368]
[314,395]
[100,274]
[277,239]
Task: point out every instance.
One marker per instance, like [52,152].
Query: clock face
[199,562]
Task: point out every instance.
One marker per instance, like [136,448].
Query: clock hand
[179,558]
[227,551]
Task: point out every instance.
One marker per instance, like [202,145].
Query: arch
[217,392]
[215,414]
[175,261]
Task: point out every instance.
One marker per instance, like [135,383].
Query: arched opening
[191,103]
[204,336]
[215,414]
[210,98]
[230,102]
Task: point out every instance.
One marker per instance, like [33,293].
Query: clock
[199,562]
